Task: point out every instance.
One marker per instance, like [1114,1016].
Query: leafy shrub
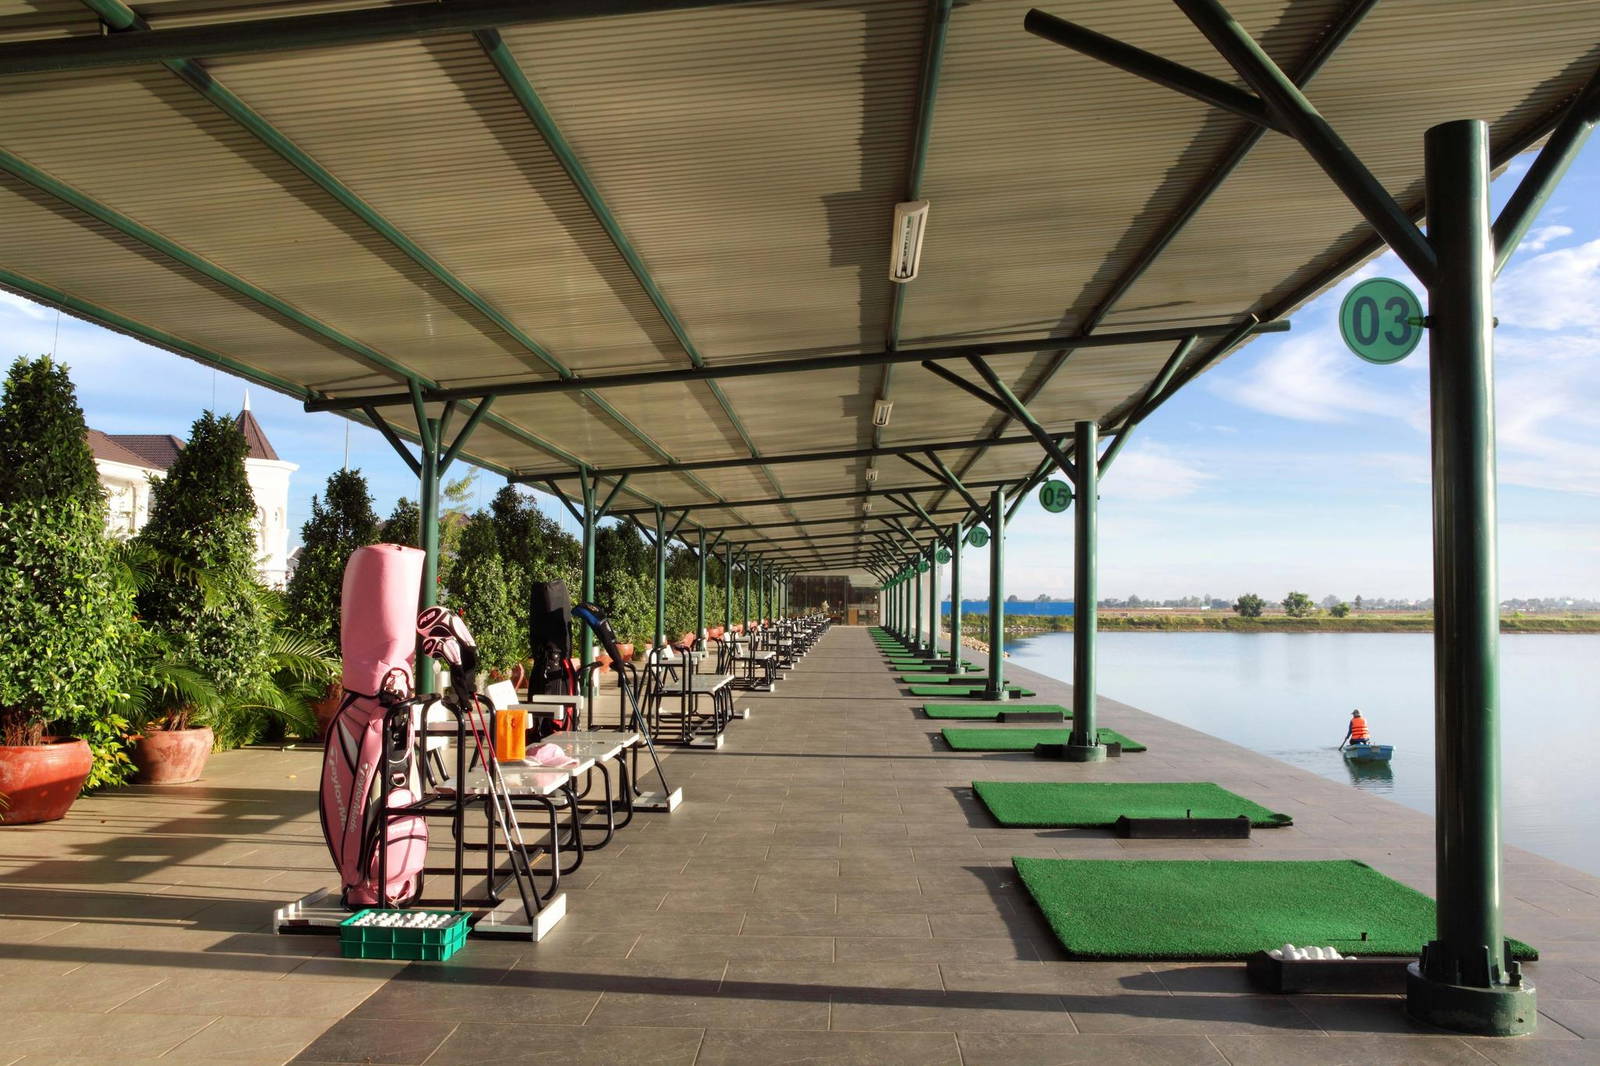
[64,615]
[336,528]
[477,588]
[200,516]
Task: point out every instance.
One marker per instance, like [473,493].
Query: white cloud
[1309,378]
[1539,239]
[1149,471]
[23,304]
[1555,290]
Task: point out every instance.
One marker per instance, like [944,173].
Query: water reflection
[1371,776]
[1289,695]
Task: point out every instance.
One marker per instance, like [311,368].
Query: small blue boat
[1369,752]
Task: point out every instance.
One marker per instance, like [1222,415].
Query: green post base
[1083,752]
[1000,695]
[1503,1010]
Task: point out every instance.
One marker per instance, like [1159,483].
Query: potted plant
[63,612]
[207,610]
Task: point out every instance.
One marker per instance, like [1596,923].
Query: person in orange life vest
[1357,733]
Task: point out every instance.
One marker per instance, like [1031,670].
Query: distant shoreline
[1021,624]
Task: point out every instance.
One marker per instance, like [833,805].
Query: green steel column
[1464,980]
[661,578]
[933,598]
[1083,744]
[727,591]
[916,610]
[746,618]
[955,598]
[700,603]
[587,594]
[428,531]
[996,689]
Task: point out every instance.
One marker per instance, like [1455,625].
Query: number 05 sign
[1381,320]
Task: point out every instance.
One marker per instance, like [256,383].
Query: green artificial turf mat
[1093,804]
[966,690]
[990,710]
[1011,738]
[1177,909]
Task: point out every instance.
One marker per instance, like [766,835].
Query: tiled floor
[829,893]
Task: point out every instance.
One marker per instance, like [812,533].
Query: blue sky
[1292,465]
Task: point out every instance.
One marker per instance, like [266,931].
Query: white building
[127,462]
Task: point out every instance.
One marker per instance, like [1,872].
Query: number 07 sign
[1381,320]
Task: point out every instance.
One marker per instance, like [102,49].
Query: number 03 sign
[1381,320]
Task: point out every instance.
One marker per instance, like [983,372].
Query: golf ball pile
[1294,954]
[405,920]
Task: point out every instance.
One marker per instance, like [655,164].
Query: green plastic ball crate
[391,942]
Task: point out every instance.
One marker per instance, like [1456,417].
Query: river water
[1289,695]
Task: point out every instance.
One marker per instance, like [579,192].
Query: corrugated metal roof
[404,216]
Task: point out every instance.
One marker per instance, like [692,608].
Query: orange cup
[511,735]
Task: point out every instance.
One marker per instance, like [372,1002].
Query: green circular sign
[1381,320]
[943,555]
[1055,496]
[924,566]
[978,537]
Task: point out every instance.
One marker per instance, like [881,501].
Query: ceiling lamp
[881,410]
[910,219]
[871,473]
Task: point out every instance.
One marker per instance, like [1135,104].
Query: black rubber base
[1367,977]
[1183,828]
[1047,717]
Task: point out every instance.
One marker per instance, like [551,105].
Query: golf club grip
[597,622]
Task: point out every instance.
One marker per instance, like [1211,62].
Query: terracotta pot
[171,756]
[626,651]
[604,660]
[39,782]
[715,633]
[327,707]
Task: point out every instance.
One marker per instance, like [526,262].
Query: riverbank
[1024,625]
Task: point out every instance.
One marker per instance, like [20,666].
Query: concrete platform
[828,892]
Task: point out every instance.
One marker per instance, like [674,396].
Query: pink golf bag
[372,734]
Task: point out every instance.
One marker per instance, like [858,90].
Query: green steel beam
[955,482]
[516,80]
[807,364]
[1305,124]
[158,338]
[122,18]
[1216,175]
[323,30]
[802,457]
[932,70]
[1146,402]
[362,353]
[1019,411]
[1151,67]
[1532,192]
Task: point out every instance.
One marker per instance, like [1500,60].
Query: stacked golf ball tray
[403,934]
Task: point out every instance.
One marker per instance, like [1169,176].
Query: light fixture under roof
[871,474]
[881,409]
[910,220]
[866,507]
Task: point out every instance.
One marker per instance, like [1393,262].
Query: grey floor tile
[488,1044]
[1012,1049]
[723,1048]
